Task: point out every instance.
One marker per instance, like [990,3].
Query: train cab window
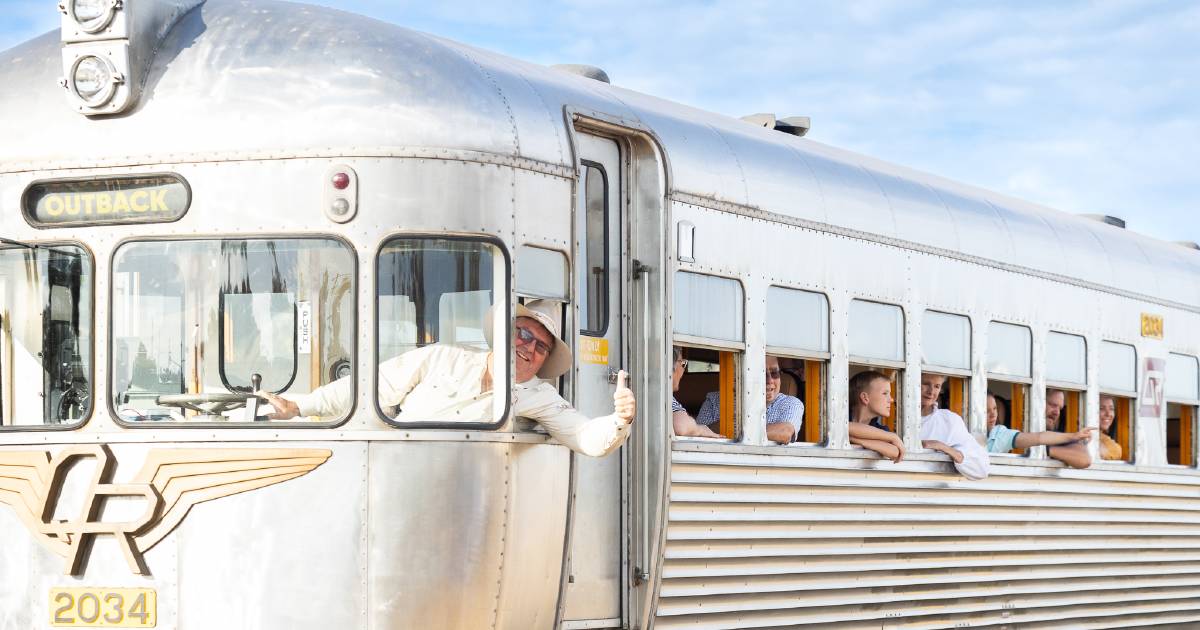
[1118,391]
[593,251]
[1009,365]
[798,350]
[1066,372]
[1183,397]
[45,336]
[197,325]
[707,315]
[439,301]
[946,351]
[541,273]
[877,344]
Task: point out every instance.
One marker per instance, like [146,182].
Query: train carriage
[203,199]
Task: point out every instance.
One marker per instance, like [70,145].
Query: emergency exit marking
[593,350]
[1151,400]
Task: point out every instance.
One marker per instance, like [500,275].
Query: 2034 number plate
[103,608]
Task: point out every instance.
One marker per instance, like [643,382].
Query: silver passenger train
[198,200]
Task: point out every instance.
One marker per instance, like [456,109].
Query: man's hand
[284,408]
[937,445]
[624,404]
[1083,435]
[899,444]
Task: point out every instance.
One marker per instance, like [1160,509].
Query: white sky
[1081,106]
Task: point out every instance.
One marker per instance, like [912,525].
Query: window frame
[273,424]
[505,297]
[607,280]
[892,364]
[91,368]
[1000,376]
[1014,386]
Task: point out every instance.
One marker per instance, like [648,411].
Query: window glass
[1066,358]
[876,331]
[708,306]
[1009,350]
[797,319]
[1118,366]
[442,294]
[194,322]
[1183,377]
[593,252]
[541,273]
[946,340]
[45,335]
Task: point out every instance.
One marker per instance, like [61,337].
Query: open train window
[442,302]
[197,324]
[1183,402]
[45,336]
[1009,365]
[707,314]
[877,344]
[1118,391]
[797,360]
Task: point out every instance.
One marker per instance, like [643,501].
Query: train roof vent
[583,70]
[1106,218]
[793,125]
[1188,244]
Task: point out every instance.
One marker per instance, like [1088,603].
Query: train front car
[224,197]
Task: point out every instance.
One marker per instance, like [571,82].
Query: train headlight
[92,16]
[94,80]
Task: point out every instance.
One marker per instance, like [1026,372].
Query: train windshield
[199,324]
[45,335]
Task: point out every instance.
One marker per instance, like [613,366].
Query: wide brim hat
[549,315]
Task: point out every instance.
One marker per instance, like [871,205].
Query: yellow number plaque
[103,608]
[1152,326]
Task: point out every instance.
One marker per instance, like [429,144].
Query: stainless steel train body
[341,145]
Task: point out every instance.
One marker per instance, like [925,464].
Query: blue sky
[1081,106]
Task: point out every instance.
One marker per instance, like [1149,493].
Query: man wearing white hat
[448,382]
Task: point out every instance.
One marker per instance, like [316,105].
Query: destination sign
[106,201]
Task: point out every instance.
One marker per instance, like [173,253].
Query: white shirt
[442,382]
[948,427]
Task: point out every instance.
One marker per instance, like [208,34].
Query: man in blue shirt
[785,414]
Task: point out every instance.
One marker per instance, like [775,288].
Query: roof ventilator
[1106,218]
[583,70]
[1188,244]
[794,125]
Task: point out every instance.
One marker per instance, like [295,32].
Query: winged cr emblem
[170,482]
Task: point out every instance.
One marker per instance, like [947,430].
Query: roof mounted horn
[792,125]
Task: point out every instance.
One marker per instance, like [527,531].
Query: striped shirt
[783,409]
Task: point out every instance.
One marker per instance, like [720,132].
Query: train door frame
[644,459]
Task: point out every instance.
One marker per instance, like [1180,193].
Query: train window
[798,336]
[436,298]
[797,320]
[946,351]
[876,331]
[707,389]
[708,307]
[45,336]
[1007,407]
[541,273]
[1009,370]
[1009,350]
[196,325]
[707,312]
[946,341]
[1066,359]
[890,420]
[1118,389]
[593,252]
[1183,396]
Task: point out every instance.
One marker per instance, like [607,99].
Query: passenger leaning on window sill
[870,400]
[943,430]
